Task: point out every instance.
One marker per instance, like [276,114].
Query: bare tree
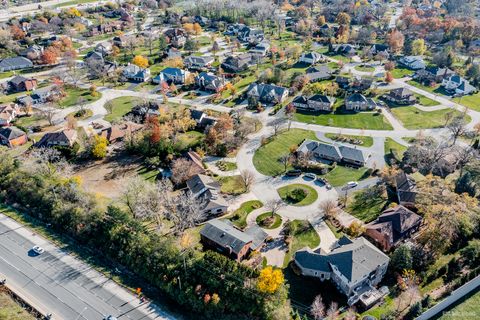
[183,169]
[317,309]
[48,162]
[49,113]
[332,312]
[277,124]
[274,205]
[187,211]
[248,178]
[329,208]
[150,39]
[457,127]
[285,160]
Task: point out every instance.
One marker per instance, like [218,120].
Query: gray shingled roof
[351,153]
[225,235]
[11,133]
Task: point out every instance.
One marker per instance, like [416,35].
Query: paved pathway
[327,238]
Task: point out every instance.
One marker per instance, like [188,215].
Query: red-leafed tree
[17,33]
[49,56]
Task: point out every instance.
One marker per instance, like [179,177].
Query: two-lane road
[56,282]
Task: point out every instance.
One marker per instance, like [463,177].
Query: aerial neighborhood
[236,159]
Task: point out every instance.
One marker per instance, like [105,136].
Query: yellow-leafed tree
[99,147]
[140,61]
[270,280]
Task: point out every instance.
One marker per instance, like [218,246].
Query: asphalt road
[57,283]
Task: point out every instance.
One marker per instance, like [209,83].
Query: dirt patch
[108,177]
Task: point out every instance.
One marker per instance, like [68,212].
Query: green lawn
[73,2]
[338,234]
[11,310]
[189,140]
[239,216]
[467,309]
[364,206]
[399,72]
[364,68]
[6,74]
[266,158]
[311,194]
[426,102]
[226,165]
[232,185]
[73,95]
[413,118]
[361,120]
[265,220]
[121,106]
[367,141]
[303,235]
[6,98]
[340,175]
[148,174]
[396,147]
[472,101]
[435,90]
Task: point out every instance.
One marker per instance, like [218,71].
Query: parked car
[352,184]
[110,317]
[328,186]
[294,173]
[38,249]
[310,175]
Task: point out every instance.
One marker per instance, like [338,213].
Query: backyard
[121,106]
[361,120]
[367,204]
[414,118]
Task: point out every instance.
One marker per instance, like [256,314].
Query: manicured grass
[266,221]
[239,216]
[71,3]
[467,308]
[364,206]
[148,174]
[435,90]
[338,234]
[367,141]
[232,185]
[10,97]
[121,106]
[226,166]
[6,74]
[426,102]
[266,158]
[189,140]
[302,235]
[340,175]
[361,120]
[413,118]
[87,114]
[11,310]
[392,145]
[472,101]
[73,95]
[399,72]
[310,194]
[364,68]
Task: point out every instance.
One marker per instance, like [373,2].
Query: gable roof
[11,133]
[350,153]
[226,235]
[16,62]
[67,136]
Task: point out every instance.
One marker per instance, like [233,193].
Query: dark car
[294,173]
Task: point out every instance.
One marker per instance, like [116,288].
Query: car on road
[294,173]
[310,175]
[352,184]
[110,317]
[38,249]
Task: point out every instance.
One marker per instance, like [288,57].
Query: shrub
[296,195]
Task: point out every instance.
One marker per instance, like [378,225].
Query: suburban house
[317,102]
[403,96]
[360,84]
[412,62]
[343,82]
[393,226]
[207,190]
[355,266]
[62,138]
[33,52]
[234,29]
[8,113]
[311,58]
[209,82]
[319,73]
[104,48]
[122,41]
[432,75]
[331,152]
[19,84]
[406,190]
[134,73]
[267,93]
[12,137]
[194,62]
[260,49]
[346,50]
[202,119]
[379,50]
[117,132]
[223,237]
[176,37]
[238,63]
[196,161]
[358,102]
[171,75]
[250,35]
[15,63]
[458,85]
[40,95]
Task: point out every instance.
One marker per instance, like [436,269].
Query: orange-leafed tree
[140,61]
[49,56]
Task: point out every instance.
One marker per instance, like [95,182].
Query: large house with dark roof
[317,102]
[402,96]
[15,63]
[355,266]
[406,190]
[457,85]
[135,73]
[311,58]
[12,137]
[431,75]
[319,73]
[198,63]
[222,236]
[62,138]
[358,102]
[267,93]
[393,226]
[207,190]
[238,63]
[19,84]
[209,82]
[331,152]
[171,75]
[202,119]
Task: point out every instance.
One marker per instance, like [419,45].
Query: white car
[110,317]
[352,184]
[38,249]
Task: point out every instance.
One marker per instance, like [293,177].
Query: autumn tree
[270,280]
[317,309]
[197,29]
[176,62]
[49,56]
[99,147]
[329,208]
[140,61]
[388,77]
[395,40]
[183,169]
[418,47]
[343,18]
